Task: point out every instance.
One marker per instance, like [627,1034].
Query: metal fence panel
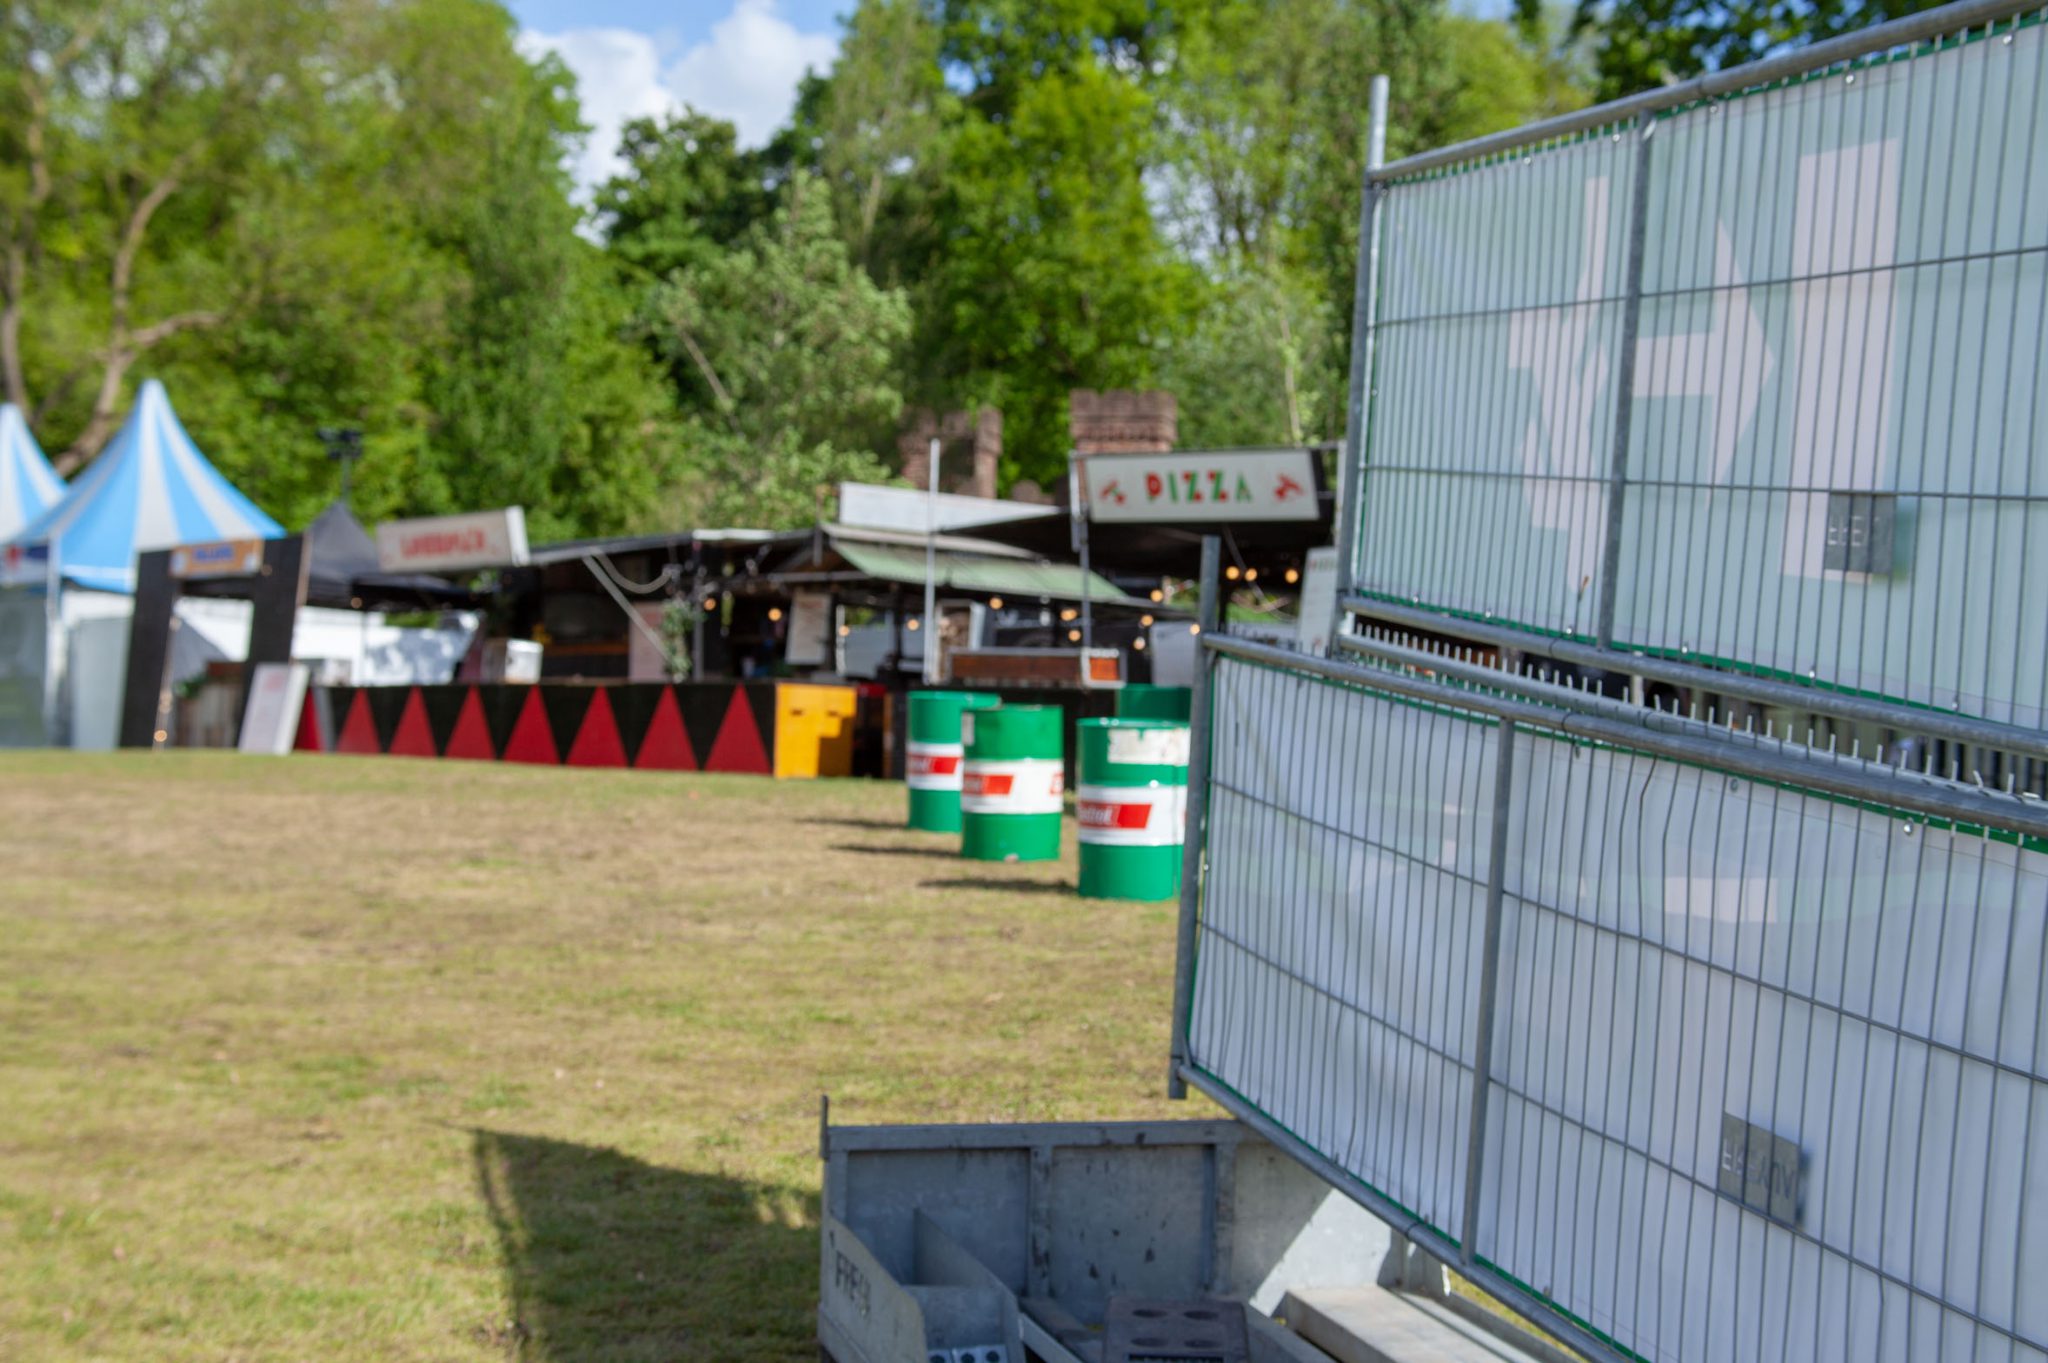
[1822,374]
[1339,937]
[1682,950]
[1682,954]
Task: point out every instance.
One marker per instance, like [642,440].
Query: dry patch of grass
[349,1059]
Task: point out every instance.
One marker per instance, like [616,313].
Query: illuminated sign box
[1197,485]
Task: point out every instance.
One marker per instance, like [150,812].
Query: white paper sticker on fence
[1836,466]
[1769,1068]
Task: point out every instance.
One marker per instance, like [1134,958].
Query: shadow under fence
[613,1260]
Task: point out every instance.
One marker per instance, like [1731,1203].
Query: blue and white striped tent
[28,485]
[150,488]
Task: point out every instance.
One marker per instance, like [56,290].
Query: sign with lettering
[1196,485]
[452,544]
[1759,1169]
[218,558]
[277,694]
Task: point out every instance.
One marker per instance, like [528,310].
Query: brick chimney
[1121,421]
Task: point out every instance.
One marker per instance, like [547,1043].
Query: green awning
[984,574]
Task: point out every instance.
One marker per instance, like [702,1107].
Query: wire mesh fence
[1648,913]
[1765,1068]
[1754,380]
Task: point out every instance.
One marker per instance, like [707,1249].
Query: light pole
[344,446]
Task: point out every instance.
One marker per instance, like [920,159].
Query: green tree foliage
[307,212]
[1264,116]
[1640,44]
[790,350]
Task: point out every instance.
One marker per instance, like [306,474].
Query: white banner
[810,630]
[277,694]
[1682,954]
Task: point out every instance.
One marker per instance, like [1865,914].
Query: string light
[1231,572]
[995,603]
[1194,629]
[1145,620]
[1138,644]
[1158,595]
[711,603]
[1293,576]
[1073,636]
[911,623]
[1251,574]
[1069,613]
[775,612]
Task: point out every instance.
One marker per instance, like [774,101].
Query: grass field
[361,1058]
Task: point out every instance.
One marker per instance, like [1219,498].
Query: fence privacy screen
[1692,1035]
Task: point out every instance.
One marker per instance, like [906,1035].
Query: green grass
[360,1059]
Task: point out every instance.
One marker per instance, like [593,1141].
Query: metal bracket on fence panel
[1972,807]
[1625,376]
[1948,727]
[1194,835]
[1489,980]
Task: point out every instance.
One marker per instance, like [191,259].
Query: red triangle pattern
[308,738]
[738,745]
[412,737]
[530,740]
[471,737]
[665,747]
[597,742]
[359,731]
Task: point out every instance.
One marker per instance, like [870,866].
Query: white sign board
[810,630]
[453,544]
[1318,608]
[1196,485]
[277,692]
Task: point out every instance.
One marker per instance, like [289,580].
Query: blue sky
[738,59]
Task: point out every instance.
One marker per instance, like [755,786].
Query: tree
[1263,114]
[882,115]
[1640,44]
[311,212]
[790,348]
[687,192]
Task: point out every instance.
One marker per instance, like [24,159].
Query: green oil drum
[1132,803]
[1013,783]
[932,760]
[1139,701]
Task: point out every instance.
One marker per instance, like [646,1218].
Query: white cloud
[618,78]
[746,71]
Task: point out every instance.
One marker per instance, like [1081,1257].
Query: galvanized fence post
[1625,377]
[1358,409]
[1195,836]
[1489,981]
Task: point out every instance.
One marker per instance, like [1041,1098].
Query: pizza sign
[1193,485]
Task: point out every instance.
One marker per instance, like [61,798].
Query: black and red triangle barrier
[681,726]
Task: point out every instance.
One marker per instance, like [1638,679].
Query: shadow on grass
[997,883]
[869,850]
[872,825]
[610,1260]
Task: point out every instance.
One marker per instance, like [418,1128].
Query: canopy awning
[150,488]
[983,574]
[28,485]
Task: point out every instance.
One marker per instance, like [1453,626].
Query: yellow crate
[813,730]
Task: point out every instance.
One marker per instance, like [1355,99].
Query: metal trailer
[1002,1243]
